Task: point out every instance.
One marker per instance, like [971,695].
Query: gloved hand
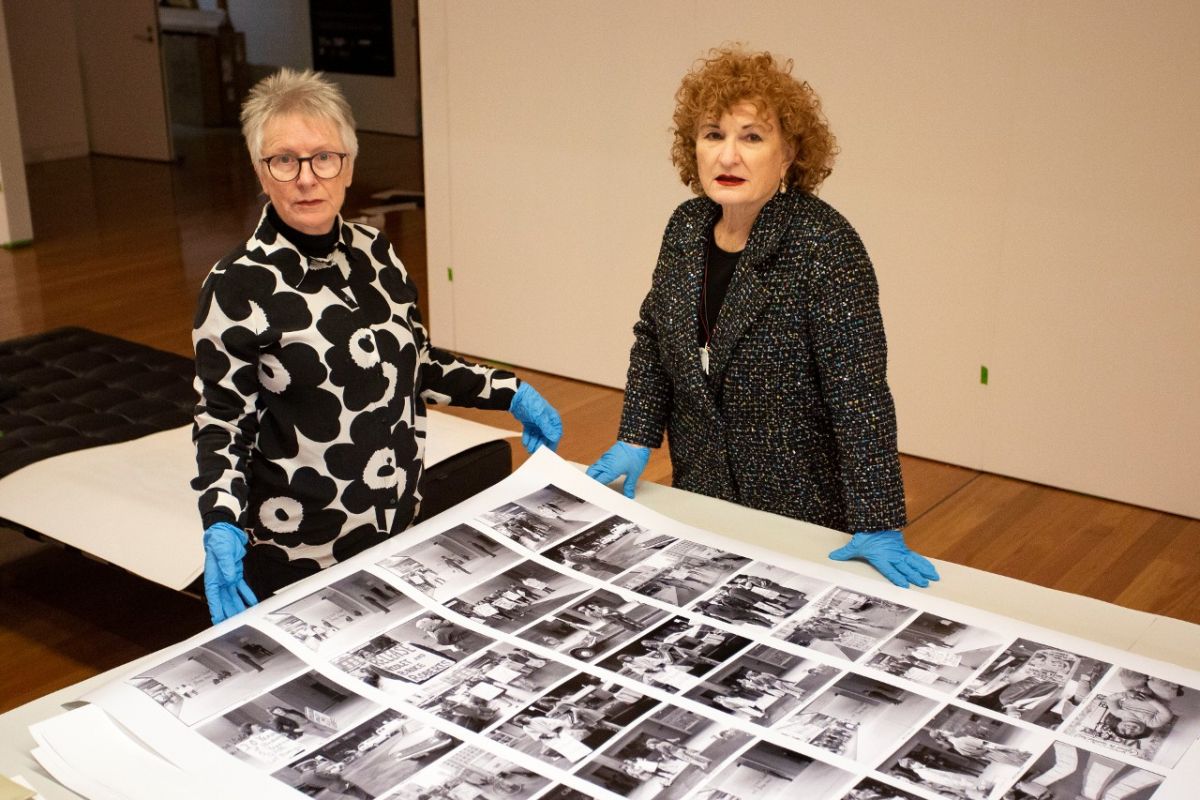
[621,459]
[542,424]
[887,552]
[224,586]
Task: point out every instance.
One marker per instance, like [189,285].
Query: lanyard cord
[704,324]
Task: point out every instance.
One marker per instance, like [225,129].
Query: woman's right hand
[224,587]
[621,459]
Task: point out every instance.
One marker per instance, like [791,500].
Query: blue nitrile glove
[887,552]
[542,424]
[621,459]
[224,586]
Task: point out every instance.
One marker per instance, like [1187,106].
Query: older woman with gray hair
[313,367]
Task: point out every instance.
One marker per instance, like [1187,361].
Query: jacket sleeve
[851,354]
[648,387]
[444,378]
[226,421]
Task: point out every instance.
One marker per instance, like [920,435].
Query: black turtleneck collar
[312,246]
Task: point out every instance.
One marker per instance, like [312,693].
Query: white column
[16,227]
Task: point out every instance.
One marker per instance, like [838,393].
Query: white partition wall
[1026,177]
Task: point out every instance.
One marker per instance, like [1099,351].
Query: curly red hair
[729,76]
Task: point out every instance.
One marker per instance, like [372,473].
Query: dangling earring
[783,185]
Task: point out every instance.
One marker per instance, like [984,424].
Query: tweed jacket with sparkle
[794,415]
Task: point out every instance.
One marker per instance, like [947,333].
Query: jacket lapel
[747,296]
[681,331]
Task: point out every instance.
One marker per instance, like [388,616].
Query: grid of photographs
[548,648]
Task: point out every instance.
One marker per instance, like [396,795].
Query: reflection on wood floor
[121,247]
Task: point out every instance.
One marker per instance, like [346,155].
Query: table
[1149,635]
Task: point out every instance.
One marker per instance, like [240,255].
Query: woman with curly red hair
[760,348]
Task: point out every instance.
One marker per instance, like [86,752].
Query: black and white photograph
[960,753]
[762,596]
[664,756]
[936,652]
[542,518]
[1065,771]
[1035,683]
[519,595]
[594,625]
[1142,716]
[445,564]
[762,685]
[767,771]
[289,720]
[872,789]
[608,548]
[671,656]
[480,692]
[368,760]
[361,602]
[859,718]
[681,572]
[844,623]
[568,724]
[223,671]
[411,653]
[470,773]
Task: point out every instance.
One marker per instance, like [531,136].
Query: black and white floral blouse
[313,376]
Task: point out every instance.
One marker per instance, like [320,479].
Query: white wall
[49,85]
[1024,174]
[278,34]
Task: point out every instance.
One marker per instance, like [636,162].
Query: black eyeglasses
[286,167]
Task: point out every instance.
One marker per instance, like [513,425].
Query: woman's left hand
[887,552]
[542,424]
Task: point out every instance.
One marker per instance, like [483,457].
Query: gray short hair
[295,92]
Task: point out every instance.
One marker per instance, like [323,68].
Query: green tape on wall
[983,375]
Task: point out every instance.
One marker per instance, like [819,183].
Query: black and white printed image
[1066,771]
[368,760]
[858,717]
[517,596]
[1141,715]
[542,518]
[221,672]
[287,721]
[361,602]
[871,789]
[762,596]
[478,693]
[936,652]
[756,600]
[594,625]
[1035,683]
[664,756]
[608,548]
[470,773]
[564,792]
[411,653]
[769,772]
[681,572]
[444,565]
[762,685]
[573,720]
[844,623]
[673,655]
[963,754]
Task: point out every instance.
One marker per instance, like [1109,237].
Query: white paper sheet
[619,653]
[131,503]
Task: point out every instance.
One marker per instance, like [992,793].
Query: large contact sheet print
[551,639]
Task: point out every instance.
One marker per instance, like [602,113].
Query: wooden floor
[121,247]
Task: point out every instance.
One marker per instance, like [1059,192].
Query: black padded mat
[72,388]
